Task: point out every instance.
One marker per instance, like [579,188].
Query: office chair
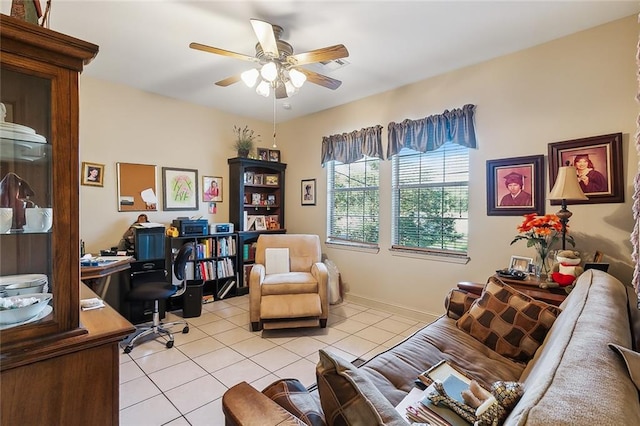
[161,290]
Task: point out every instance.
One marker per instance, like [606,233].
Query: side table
[529,286]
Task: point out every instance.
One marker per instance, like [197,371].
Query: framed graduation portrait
[515,186]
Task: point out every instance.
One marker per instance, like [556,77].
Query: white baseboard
[388,307]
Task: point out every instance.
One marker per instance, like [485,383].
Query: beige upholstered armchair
[287,291]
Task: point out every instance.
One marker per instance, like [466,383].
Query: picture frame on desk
[600,157]
[520,263]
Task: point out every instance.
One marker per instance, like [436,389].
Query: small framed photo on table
[92,174]
[520,263]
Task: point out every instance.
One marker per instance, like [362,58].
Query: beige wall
[579,86]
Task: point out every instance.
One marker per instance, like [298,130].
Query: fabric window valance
[430,133]
[351,147]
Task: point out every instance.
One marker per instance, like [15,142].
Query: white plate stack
[15,285]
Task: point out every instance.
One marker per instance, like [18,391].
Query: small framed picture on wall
[308,195]
[92,174]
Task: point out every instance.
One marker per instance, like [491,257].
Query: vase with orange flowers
[541,233]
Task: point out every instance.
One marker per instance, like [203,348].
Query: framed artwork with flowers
[180,189]
[515,186]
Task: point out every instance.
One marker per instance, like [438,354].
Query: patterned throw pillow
[507,321]
[291,395]
[348,397]
[457,302]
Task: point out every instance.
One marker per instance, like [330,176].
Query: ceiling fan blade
[222,52]
[266,37]
[228,81]
[325,54]
[321,80]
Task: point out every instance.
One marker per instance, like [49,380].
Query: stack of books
[416,407]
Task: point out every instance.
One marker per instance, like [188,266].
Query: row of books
[210,269]
[207,247]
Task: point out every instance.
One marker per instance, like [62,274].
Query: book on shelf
[224,290]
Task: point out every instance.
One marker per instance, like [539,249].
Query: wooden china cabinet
[63,366]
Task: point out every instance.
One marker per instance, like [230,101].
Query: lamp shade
[567,186]
[249,77]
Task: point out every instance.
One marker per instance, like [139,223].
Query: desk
[529,286]
[99,277]
[71,380]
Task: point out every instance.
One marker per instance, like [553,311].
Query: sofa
[584,371]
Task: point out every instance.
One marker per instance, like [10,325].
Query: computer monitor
[148,243]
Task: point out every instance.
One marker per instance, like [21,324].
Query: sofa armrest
[245,405]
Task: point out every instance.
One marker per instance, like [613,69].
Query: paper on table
[93,303]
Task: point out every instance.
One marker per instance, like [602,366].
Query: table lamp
[566,188]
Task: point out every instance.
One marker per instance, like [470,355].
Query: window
[430,200]
[353,201]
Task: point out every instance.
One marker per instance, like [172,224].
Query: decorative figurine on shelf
[15,193]
[565,270]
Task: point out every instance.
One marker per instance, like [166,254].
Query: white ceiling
[144,44]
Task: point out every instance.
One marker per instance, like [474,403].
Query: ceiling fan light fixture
[263,89]
[290,88]
[249,77]
[269,71]
[297,78]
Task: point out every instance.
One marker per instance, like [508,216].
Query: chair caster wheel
[128,349]
[185,330]
[169,344]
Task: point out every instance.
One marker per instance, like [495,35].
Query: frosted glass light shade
[249,77]
[290,88]
[297,78]
[269,71]
[567,186]
[263,89]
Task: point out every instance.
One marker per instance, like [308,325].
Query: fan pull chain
[274,119]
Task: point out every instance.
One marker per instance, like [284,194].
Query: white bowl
[13,315]
[23,288]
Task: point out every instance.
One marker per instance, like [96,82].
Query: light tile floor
[184,385]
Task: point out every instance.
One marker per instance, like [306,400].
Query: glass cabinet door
[26,201]
[39,184]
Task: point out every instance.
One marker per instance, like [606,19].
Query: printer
[189,227]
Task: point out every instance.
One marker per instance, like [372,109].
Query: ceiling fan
[280,70]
